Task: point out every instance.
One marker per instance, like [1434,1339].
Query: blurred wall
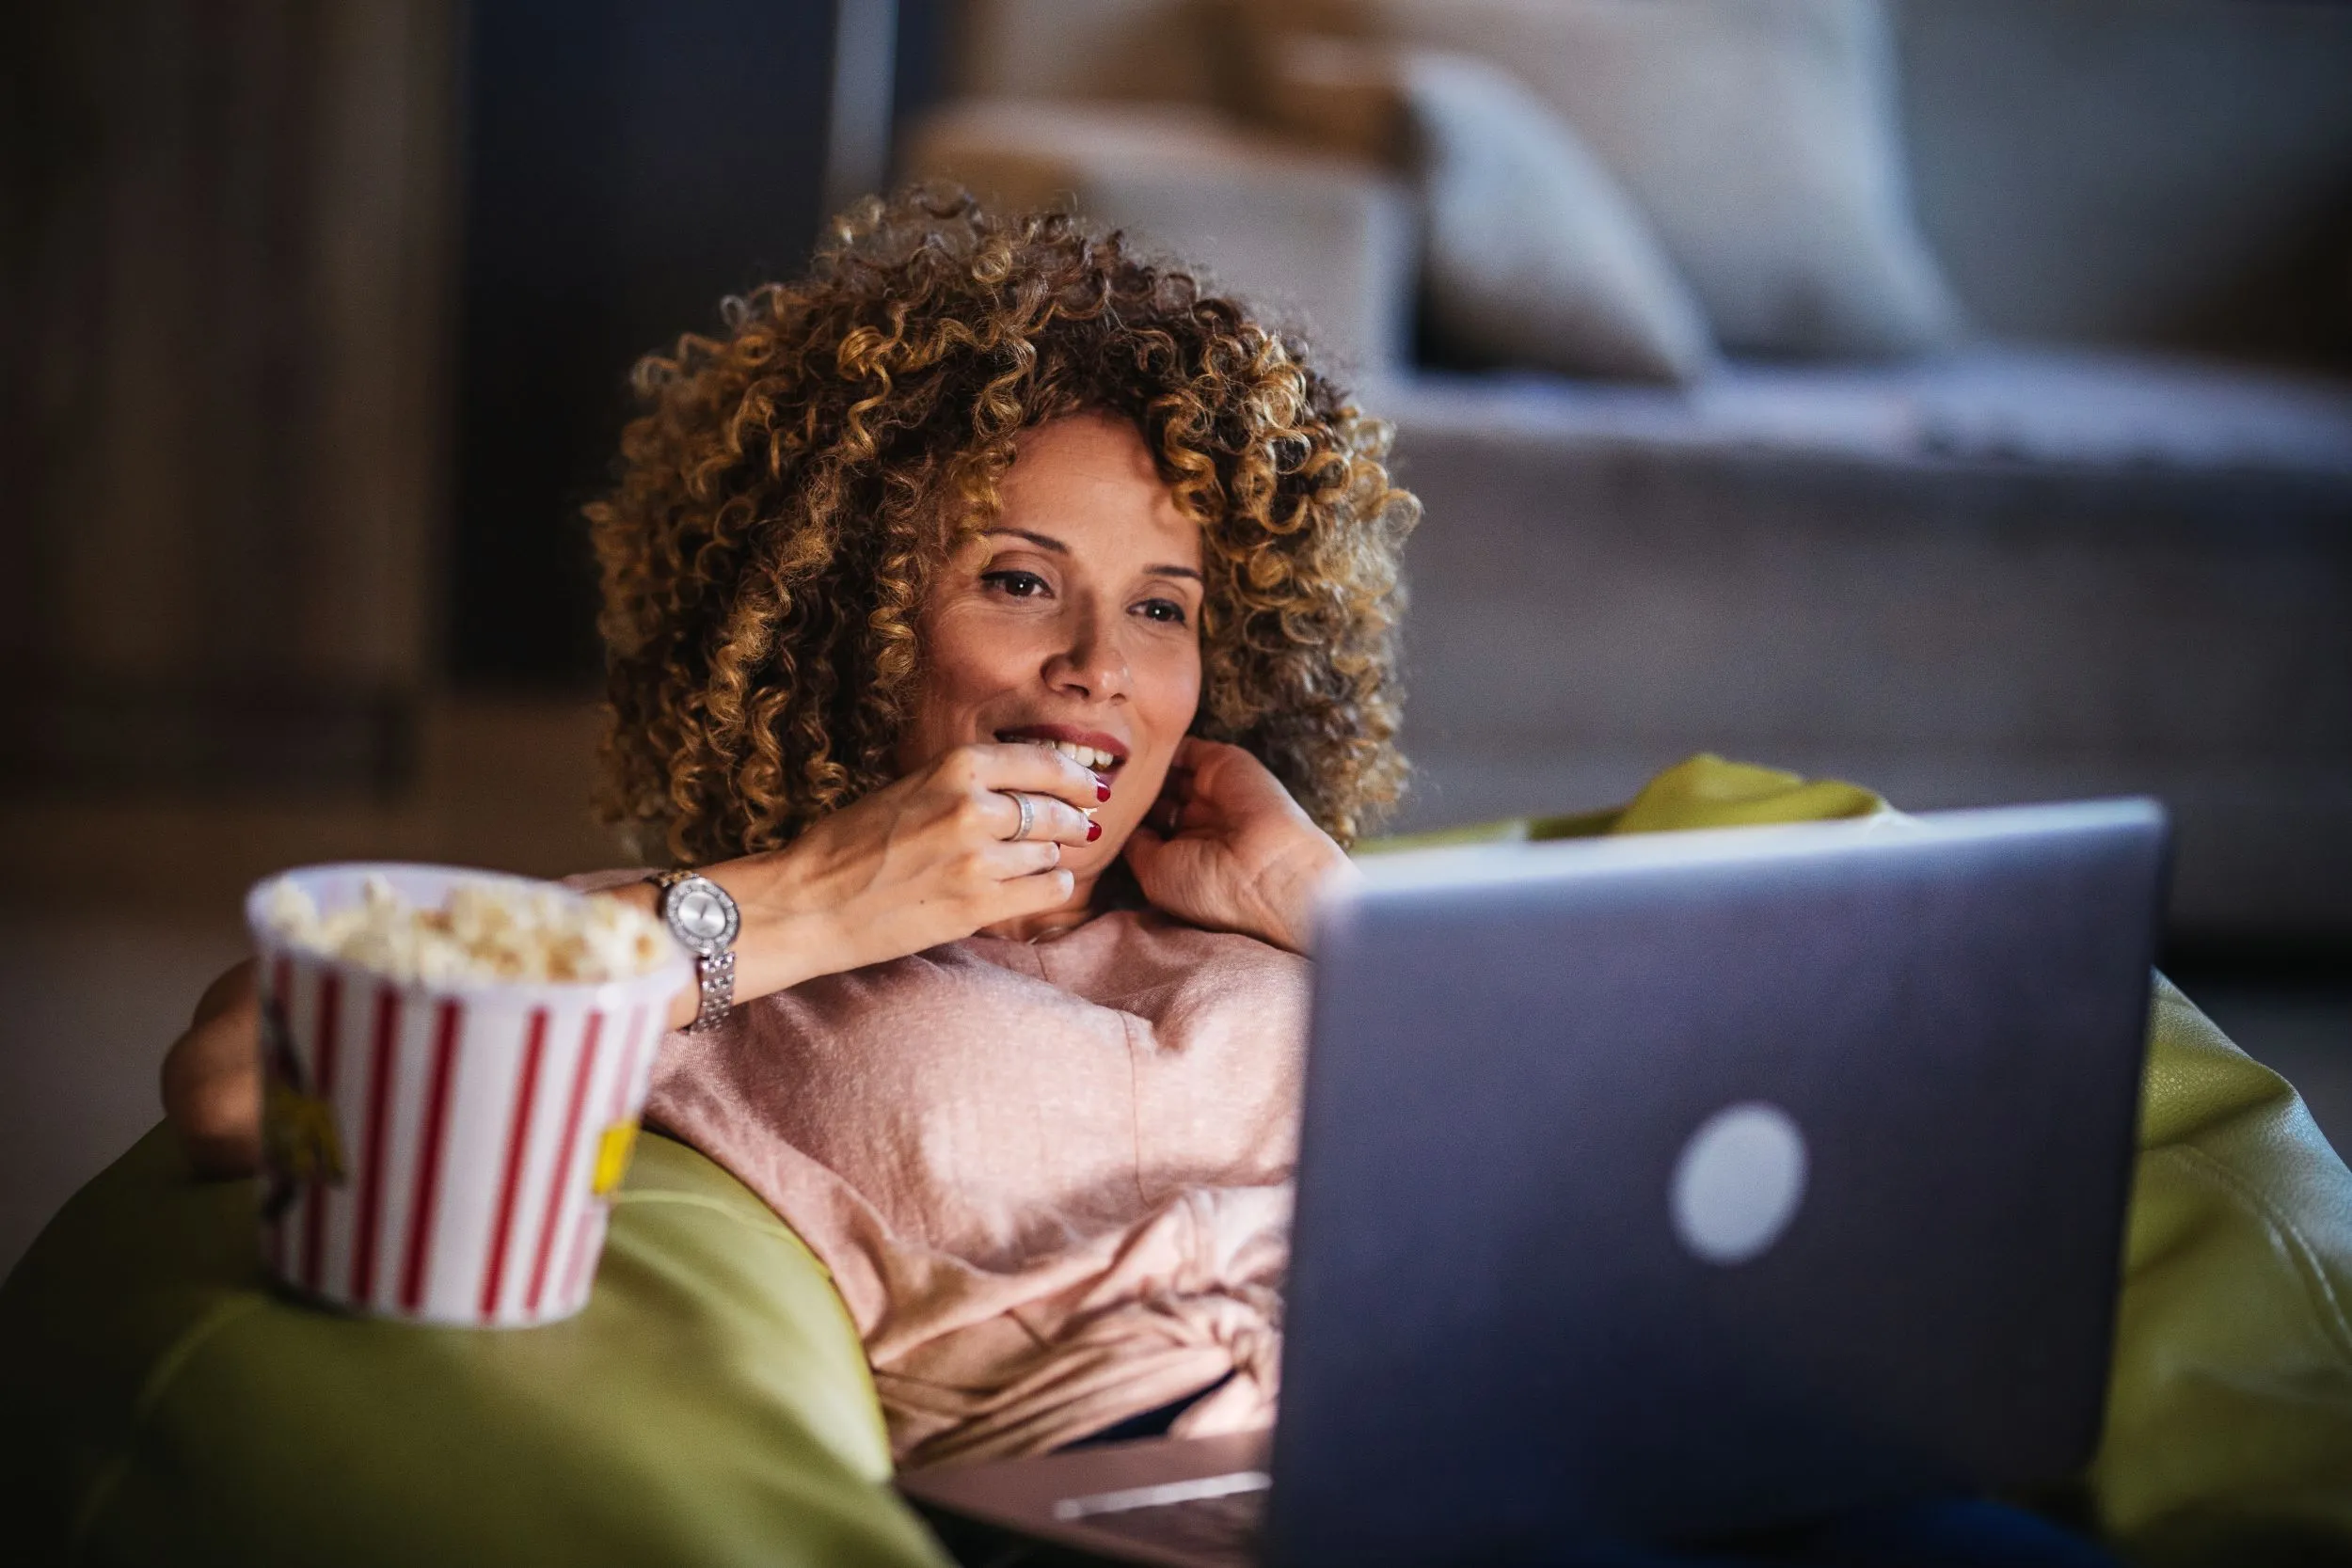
[325,315]
[2159,171]
[627,165]
[227,255]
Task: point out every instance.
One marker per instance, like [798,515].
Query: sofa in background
[2095,538]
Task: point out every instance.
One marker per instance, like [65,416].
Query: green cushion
[711,1405]
[2228,1434]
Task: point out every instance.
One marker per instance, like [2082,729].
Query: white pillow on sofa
[1321,245]
[1530,253]
[1758,136]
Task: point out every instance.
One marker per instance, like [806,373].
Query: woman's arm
[927,860]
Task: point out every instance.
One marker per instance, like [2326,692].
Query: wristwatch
[705,922]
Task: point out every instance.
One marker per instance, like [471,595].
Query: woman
[1007,628]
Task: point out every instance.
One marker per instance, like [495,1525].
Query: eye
[1014,583]
[1165,611]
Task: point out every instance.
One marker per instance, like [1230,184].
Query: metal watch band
[714,969]
[716,974]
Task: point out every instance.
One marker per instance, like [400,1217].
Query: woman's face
[1074,620]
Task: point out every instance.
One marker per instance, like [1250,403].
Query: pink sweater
[1051,1180]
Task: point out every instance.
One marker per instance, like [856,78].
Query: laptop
[1658,1189]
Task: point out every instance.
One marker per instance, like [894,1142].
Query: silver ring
[1028,815]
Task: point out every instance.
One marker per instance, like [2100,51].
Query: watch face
[702,917]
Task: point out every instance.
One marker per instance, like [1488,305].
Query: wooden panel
[235,268]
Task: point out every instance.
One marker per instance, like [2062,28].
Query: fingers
[1196,756]
[1021,858]
[1020,896]
[212,1084]
[1035,770]
[1217,781]
[235,988]
[1049,819]
[1143,845]
[992,782]
[1167,815]
[1011,880]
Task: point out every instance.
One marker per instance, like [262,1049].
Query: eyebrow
[1048,542]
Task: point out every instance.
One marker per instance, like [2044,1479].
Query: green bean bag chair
[711,1405]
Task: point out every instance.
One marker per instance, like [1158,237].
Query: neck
[1074,910]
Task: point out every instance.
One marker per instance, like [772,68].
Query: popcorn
[483,932]
[483,1039]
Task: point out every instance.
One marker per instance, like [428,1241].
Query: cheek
[1167,688]
[1167,702]
[963,666]
[1184,705]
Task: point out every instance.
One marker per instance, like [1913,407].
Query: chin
[1094,859]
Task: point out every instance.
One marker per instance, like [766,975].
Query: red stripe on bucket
[322,1089]
[280,991]
[371,1151]
[584,1244]
[622,1085]
[429,1164]
[588,1240]
[518,1141]
[559,1185]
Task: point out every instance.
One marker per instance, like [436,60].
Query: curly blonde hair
[790,488]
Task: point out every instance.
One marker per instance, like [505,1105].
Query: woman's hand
[213,1079]
[927,860]
[1226,847]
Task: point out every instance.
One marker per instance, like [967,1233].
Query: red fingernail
[1094,829]
[1102,790]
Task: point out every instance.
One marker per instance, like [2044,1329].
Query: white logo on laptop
[1738,1182]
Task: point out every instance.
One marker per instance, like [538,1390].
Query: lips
[1088,749]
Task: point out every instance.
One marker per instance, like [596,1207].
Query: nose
[1092,661]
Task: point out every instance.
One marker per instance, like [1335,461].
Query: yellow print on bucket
[612,1152]
[300,1133]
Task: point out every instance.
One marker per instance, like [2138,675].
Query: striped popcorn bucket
[443,1152]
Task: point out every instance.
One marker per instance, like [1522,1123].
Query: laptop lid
[1655,1187]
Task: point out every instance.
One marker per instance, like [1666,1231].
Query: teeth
[1085,757]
